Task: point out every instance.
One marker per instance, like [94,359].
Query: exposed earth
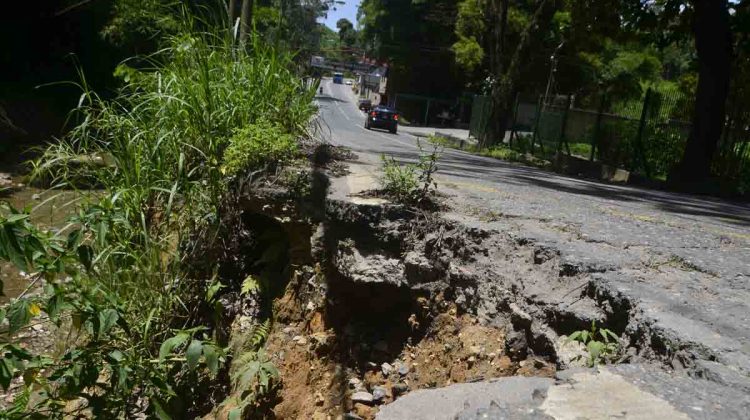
[465,313]
[667,272]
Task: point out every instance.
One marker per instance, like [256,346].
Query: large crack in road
[672,277]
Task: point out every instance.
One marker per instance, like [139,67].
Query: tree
[291,24]
[347,34]
[137,25]
[414,38]
[232,12]
[482,28]
[246,19]
[713,43]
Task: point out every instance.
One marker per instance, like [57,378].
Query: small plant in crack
[411,184]
[602,344]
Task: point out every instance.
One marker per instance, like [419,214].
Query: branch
[71,7]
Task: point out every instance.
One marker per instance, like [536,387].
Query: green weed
[257,377]
[128,269]
[410,184]
[602,344]
[258,144]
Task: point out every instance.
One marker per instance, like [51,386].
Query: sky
[347,10]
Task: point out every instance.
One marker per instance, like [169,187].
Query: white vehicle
[349,82]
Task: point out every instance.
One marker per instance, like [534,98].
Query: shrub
[410,184]
[664,146]
[256,145]
[129,269]
[399,181]
[504,153]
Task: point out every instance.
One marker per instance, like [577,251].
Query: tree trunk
[246,20]
[506,80]
[232,12]
[497,9]
[713,44]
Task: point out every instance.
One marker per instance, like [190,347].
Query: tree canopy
[581,47]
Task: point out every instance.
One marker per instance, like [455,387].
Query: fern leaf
[249,285]
[260,334]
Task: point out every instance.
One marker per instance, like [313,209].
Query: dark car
[382,117]
[365,105]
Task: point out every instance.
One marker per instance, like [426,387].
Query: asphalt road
[685,258]
[343,124]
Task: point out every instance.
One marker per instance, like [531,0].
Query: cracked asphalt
[683,260]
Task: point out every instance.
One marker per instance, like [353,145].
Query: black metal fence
[645,136]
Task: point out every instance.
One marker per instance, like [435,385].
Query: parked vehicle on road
[382,117]
[338,78]
[364,105]
[349,82]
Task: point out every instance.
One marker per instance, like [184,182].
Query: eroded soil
[322,381]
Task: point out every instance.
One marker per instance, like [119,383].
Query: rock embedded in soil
[402,368]
[399,389]
[319,399]
[364,411]
[5,180]
[386,368]
[362,397]
[516,345]
[355,383]
[379,393]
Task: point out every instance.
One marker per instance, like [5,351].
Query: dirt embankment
[382,301]
[379,301]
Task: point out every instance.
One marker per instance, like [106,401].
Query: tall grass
[157,152]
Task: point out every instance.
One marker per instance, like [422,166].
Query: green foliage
[347,33]
[138,24]
[251,284]
[470,28]
[257,377]
[298,182]
[664,146]
[292,25]
[414,37]
[621,71]
[259,336]
[469,54]
[399,181]
[410,184]
[123,270]
[114,338]
[504,153]
[30,248]
[258,144]
[617,148]
[518,153]
[601,344]
[471,20]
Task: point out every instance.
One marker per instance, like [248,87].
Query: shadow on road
[457,164]
[328,98]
